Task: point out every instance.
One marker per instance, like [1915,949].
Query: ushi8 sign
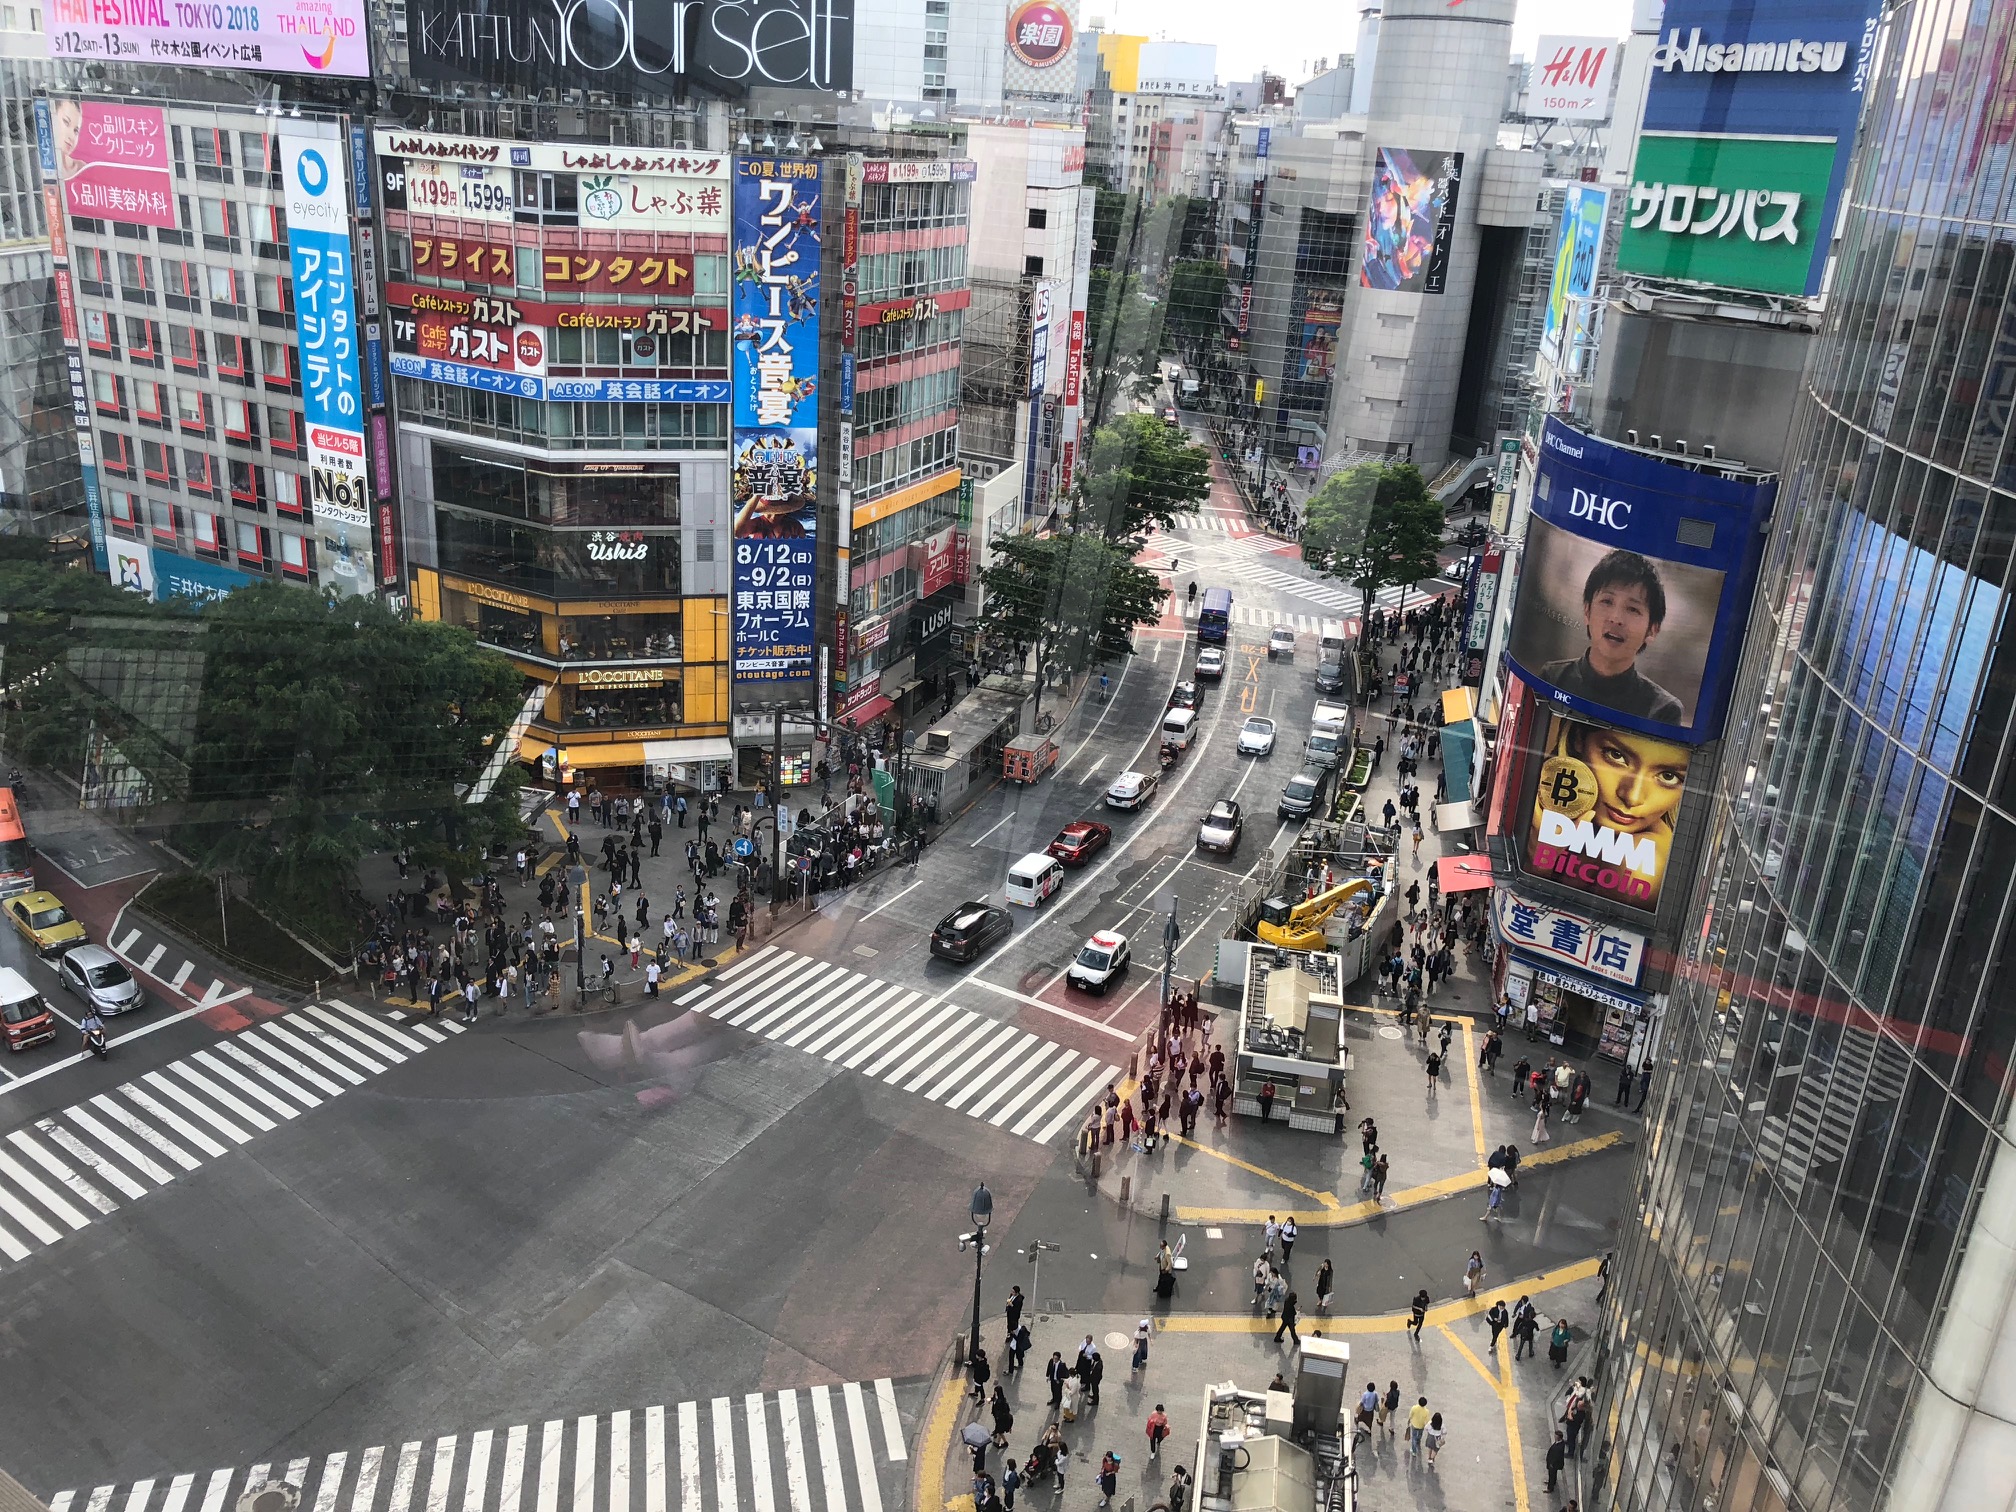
[775,469]
[325,308]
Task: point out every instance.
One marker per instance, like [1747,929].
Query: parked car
[1281,642]
[1221,828]
[1079,841]
[1132,789]
[1330,677]
[1303,794]
[1256,736]
[1211,664]
[94,974]
[966,932]
[45,923]
[1183,696]
[1102,961]
[24,1013]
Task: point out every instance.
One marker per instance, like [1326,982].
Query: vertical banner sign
[853,181]
[1252,270]
[1039,377]
[774,478]
[325,310]
[73,343]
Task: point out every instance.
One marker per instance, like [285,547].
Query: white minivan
[1178,725]
[1034,879]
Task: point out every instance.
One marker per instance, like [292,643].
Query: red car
[1079,841]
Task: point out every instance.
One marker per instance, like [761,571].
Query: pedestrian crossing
[965,1062]
[67,1170]
[1228,524]
[813,1449]
[1344,600]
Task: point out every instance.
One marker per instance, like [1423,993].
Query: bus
[17,862]
[1214,619]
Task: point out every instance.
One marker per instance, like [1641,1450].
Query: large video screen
[1636,584]
[1409,218]
[1605,804]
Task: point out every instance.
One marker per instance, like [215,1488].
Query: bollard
[1098,1164]
[1126,1189]
[1165,1207]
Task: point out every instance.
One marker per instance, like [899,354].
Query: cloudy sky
[1278,33]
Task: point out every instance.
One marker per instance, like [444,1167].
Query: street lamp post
[578,876]
[983,1214]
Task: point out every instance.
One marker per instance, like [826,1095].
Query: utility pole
[577,877]
[776,799]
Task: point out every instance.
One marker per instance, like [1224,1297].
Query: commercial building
[1142,85]
[1812,1305]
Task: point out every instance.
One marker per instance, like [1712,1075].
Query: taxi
[45,923]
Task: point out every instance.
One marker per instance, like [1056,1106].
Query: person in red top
[1158,1430]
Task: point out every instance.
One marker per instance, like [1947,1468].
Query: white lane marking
[689,1457]
[892,1424]
[92,1161]
[724,1453]
[34,1150]
[864,1460]
[990,829]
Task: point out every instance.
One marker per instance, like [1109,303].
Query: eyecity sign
[719,47]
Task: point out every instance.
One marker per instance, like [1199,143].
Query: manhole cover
[1115,1340]
[1390,1031]
[270,1496]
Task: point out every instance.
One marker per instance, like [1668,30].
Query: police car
[1101,961]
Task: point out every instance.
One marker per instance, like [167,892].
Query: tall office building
[1814,1308]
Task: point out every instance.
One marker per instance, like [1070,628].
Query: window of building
[274,293]
[124,510]
[627,708]
[218,221]
[1039,219]
[204,478]
[248,485]
[288,495]
[205,535]
[294,557]
[259,155]
[251,544]
[115,453]
[150,400]
[167,523]
[211,151]
[189,351]
[143,341]
[193,411]
[108,393]
[240,422]
[94,270]
[181,283]
[551,199]
[157,461]
[101,333]
[283,430]
[234,357]
[226,287]
[269,230]
[620,637]
[710,274]
[277,364]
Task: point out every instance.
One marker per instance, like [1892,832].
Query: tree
[1139,472]
[1374,525]
[1076,598]
[1196,294]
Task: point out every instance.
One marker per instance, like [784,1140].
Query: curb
[934,1438]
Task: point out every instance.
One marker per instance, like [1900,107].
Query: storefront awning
[1453,818]
[1463,873]
[1458,705]
[1459,757]
[860,718]
[697,748]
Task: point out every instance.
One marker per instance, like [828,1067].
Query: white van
[1331,646]
[1178,725]
[1034,879]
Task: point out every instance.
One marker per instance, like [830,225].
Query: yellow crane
[1299,926]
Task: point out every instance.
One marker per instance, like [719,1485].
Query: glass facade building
[1813,1309]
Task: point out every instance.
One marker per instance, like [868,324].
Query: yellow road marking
[1515,1447]
[1497,1386]
[1328,1199]
[1476,1092]
[937,1444]
[1428,1191]
[1438,1315]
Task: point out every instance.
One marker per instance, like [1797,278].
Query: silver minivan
[100,978]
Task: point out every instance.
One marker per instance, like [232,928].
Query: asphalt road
[557,1220]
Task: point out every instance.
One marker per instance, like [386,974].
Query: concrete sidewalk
[1499,1413]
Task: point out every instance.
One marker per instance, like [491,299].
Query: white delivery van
[1331,646]
[1325,742]
[1034,879]
[1178,725]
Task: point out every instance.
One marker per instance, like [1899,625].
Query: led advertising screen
[1578,248]
[112,159]
[1409,219]
[275,36]
[1636,584]
[1605,802]
[774,470]
[1750,116]
[723,48]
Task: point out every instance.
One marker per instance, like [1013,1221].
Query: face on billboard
[1605,802]
[1413,195]
[1625,631]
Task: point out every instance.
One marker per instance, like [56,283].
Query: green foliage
[1196,293]
[1375,526]
[1139,472]
[1076,597]
[1123,339]
[1111,213]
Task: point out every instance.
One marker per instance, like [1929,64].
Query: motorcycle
[95,1042]
[1169,755]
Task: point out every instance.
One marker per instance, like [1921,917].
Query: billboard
[1042,47]
[1735,212]
[325,312]
[113,162]
[774,468]
[1578,249]
[1409,218]
[1604,804]
[1635,587]
[1779,88]
[618,190]
[1569,939]
[278,36]
[1322,314]
[1571,78]
[723,48]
